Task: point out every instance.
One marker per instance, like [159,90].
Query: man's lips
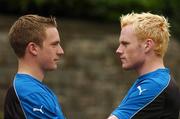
[122,59]
[57,60]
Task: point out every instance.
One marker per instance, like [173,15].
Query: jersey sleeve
[138,98]
[39,105]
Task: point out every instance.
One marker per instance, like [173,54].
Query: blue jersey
[36,100]
[153,96]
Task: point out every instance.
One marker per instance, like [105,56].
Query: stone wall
[89,81]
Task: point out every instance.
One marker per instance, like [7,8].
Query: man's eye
[54,44]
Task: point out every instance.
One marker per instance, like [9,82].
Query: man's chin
[126,68]
[51,68]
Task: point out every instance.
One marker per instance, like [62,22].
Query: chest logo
[140,90]
[38,109]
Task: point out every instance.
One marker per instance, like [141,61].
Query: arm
[139,99]
[39,105]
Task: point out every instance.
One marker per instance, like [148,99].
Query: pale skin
[137,55]
[112,117]
[39,59]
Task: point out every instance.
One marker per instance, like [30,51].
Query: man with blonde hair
[143,43]
[36,42]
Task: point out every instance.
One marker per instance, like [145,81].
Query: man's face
[130,50]
[50,52]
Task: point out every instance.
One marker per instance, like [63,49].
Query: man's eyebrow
[124,42]
[56,42]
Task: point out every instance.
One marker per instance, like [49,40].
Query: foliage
[103,10]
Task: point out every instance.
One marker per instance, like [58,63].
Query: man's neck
[31,69]
[149,66]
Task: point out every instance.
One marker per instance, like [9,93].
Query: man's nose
[60,51]
[119,50]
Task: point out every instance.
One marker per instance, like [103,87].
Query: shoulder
[39,99]
[152,86]
[33,93]
[39,104]
[26,85]
[42,105]
[156,81]
[36,99]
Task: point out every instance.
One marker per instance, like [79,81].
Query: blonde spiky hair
[147,25]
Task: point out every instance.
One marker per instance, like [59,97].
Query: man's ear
[149,45]
[32,48]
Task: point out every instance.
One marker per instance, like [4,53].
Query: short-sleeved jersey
[154,95]
[31,99]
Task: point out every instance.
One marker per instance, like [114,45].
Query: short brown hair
[148,25]
[29,28]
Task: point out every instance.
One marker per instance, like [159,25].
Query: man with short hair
[35,40]
[143,43]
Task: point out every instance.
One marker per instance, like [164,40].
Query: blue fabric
[36,99]
[145,89]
